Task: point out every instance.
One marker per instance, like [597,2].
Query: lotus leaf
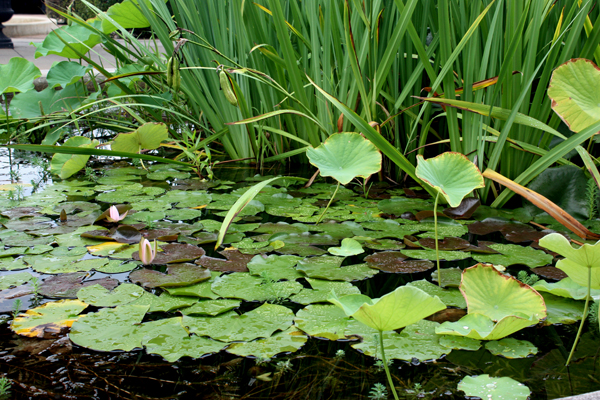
[288,341]
[242,285]
[481,327]
[148,136]
[350,247]
[460,343]
[562,310]
[99,296]
[79,38]
[565,288]
[177,275]
[512,254]
[275,267]
[511,348]
[18,75]
[126,14]
[211,307]
[110,329]
[450,297]
[48,320]
[344,156]
[321,290]
[65,73]
[261,322]
[486,387]
[322,321]
[327,267]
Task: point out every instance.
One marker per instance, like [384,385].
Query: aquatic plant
[402,307]
[114,216]
[453,176]
[146,251]
[581,265]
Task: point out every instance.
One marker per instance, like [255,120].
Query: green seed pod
[227,89]
[170,72]
[176,76]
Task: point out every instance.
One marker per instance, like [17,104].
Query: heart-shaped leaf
[147,136]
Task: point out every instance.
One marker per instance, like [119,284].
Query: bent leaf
[50,319]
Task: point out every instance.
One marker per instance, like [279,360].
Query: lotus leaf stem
[437,251]
[328,204]
[385,366]
[583,317]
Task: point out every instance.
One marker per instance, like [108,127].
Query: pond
[252,320]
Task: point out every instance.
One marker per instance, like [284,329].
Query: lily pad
[177,275]
[449,243]
[202,289]
[430,255]
[321,290]
[512,254]
[511,348]
[350,247]
[295,249]
[67,285]
[11,264]
[489,388]
[261,322]
[275,267]
[401,205]
[48,320]
[565,288]
[450,297]
[146,137]
[235,262]
[99,296]
[13,280]
[562,310]
[242,285]
[288,341]
[322,321]
[327,267]
[175,253]
[211,307]
[460,343]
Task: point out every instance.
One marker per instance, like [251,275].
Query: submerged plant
[402,307]
[453,176]
[581,265]
[378,392]
[591,196]
[4,388]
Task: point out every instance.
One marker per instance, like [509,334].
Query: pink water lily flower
[147,253]
[113,215]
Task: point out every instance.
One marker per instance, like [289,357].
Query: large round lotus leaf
[275,267]
[18,75]
[235,262]
[12,280]
[349,247]
[242,285]
[493,388]
[490,293]
[430,255]
[177,275]
[261,322]
[202,289]
[345,156]
[562,310]
[67,285]
[147,136]
[110,329]
[460,343]
[211,307]
[415,341]
[169,339]
[99,296]
[322,321]
[175,253]
[574,89]
[402,307]
[326,267]
[511,348]
[481,327]
[288,341]
[48,320]
[321,290]
[452,174]
[512,254]
[450,297]
[565,288]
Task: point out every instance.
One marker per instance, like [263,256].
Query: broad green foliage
[80,40]
[322,321]
[575,93]
[50,319]
[65,165]
[288,341]
[18,75]
[126,14]
[99,296]
[12,280]
[350,247]
[511,254]
[565,288]
[493,388]
[65,73]
[511,348]
[345,156]
[146,137]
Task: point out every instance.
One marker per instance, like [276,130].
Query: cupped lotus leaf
[511,254]
[48,320]
[493,388]
[18,75]
[430,255]
[79,39]
[481,327]
[417,340]
[574,93]
[13,280]
[65,73]
[275,267]
[177,275]
[242,285]
[350,247]
[321,290]
[490,293]
[402,307]
[146,137]
[322,321]
[450,297]
[211,307]
[345,156]
[127,14]
[168,338]
[65,165]
[562,310]
[511,348]
[67,285]
[566,288]
[579,274]
[99,296]
[175,253]
[110,329]
[460,343]
[235,262]
[452,174]
[288,341]
[327,267]
[261,322]
[202,289]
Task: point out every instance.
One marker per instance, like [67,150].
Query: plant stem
[583,318]
[385,366]
[437,251]
[328,204]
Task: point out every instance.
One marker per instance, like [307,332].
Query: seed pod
[170,72]
[176,75]
[227,88]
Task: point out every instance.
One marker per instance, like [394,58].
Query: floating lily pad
[449,243]
[381,244]
[67,285]
[460,343]
[21,239]
[177,275]
[175,253]
[322,321]
[296,249]
[401,205]
[99,296]
[446,228]
[261,322]
[512,254]
[321,291]
[165,174]
[113,250]
[486,387]
[184,214]
[288,341]
[165,302]
[549,273]
[211,307]
[117,267]
[202,289]
[48,320]
[58,265]
[511,348]
[13,251]
[451,297]
[242,285]
[451,277]
[13,280]
[144,216]
[326,267]
[12,264]
[275,267]
[350,247]
[110,329]
[430,255]
[235,262]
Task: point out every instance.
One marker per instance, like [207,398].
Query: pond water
[256,323]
